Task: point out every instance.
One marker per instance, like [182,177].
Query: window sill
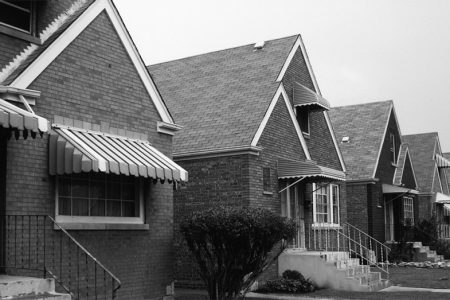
[326,226]
[19,34]
[393,164]
[102,226]
[267,193]
[305,135]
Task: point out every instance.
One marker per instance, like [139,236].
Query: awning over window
[442,162]
[75,150]
[14,117]
[442,198]
[394,189]
[303,96]
[308,168]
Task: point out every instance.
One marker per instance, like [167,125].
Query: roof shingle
[364,125]
[422,150]
[221,97]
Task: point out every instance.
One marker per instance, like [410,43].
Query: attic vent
[259,45]
[346,139]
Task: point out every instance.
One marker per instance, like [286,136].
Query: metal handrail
[32,245]
[349,238]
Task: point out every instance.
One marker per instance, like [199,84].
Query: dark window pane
[15,17]
[80,188]
[80,207]
[64,206]
[128,192]
[113,190]
[113,208]
[303,118]
[22,3]
[97,190]
[97,207]
[128,209]
[64,187]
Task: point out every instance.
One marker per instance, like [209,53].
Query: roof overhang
[442,198]
[76,150]
[442,162]
[306,169]
[393,189]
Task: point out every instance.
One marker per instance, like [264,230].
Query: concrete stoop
[423,253]
[334,270]
[20,287]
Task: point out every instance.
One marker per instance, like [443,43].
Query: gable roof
[221,97]
[422,149]
[29,64]
[365,126]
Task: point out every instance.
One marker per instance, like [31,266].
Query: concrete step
[345,264]
[382,284]
[21,287]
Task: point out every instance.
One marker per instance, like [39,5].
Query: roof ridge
[216,51]
[363,104]
[45,34]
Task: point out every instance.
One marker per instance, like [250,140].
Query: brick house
[381,183]
[85,147]
[430,165]
[256,133]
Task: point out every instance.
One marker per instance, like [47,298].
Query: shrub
[401,251]
[291,282]
[232,246]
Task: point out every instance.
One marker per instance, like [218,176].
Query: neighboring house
[256,133]
[381,184]
[83,132]
[430,165]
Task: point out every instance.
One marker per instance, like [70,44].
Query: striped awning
[14,117]
[75,150]
[308,168]
[442,162]
[442,198]
[303,96]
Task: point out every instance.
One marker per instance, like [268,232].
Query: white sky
[361,51]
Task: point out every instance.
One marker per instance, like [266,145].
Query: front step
[423,253]
[20,287]
[332,270]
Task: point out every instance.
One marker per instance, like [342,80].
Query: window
[266,180]
[326,203]
[408,211]
[99,196]
[303,119]
[17,14]
[392,149]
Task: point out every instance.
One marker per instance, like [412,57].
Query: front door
[292,206]
[389,220]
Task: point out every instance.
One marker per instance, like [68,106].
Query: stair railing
[348,238]
[36,245]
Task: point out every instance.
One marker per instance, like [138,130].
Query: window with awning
[20,121]
[442,162]
[75,150]
[308,168]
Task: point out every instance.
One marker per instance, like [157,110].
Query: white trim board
[72,32]
[336,146]
[281,91]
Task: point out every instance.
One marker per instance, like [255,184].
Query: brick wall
[357,208]
[212,182]
[376,211]
[93,80]
[408,175]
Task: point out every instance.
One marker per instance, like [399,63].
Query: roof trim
[219,152]
[393,189]
[412,167]
[299,43]
[391,110]
[281,91]
[72,32]
[333,136]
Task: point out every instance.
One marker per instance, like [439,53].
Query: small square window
[303,119]
[18,15]
[266,180]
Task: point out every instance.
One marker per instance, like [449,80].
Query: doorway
[293,207]
[389,220]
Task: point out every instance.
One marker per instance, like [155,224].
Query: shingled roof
[422,149]
[364,125]
[220,98]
